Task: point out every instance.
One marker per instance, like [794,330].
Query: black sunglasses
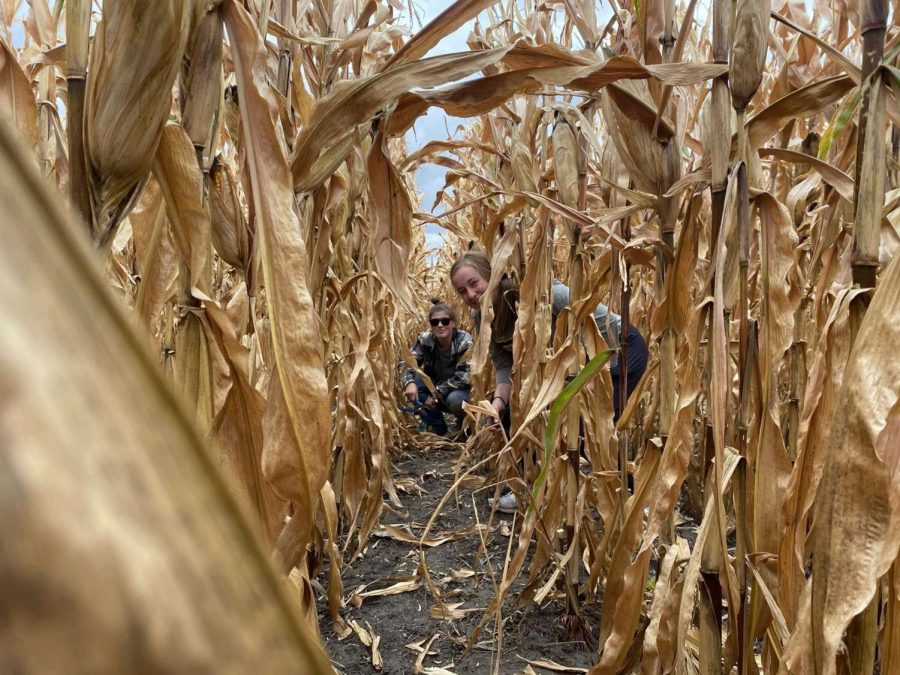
[443,321]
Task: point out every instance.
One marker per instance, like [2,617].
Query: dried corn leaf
[554,666]
[156,257]
[176,170]
[858,533]
[477,97]
[392,213]
[801,103]
[335,585]
[431,541]
[134,59]
[451,611]
[354,102]
[439,27]
[363,634]
[17,106]
[422,652]
[840,181]
[403,586]
[768,462]
[186,603]
[297,420]
[625,582]
[238,433]
[377,661]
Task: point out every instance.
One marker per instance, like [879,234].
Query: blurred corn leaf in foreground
[122,545]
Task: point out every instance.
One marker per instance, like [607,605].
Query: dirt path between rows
[404,623]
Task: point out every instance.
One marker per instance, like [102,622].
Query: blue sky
[435,123]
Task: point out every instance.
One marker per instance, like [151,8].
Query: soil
[462,573]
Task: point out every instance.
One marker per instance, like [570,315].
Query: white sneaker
[505,504]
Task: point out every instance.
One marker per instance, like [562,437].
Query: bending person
[438,353]
[469,276]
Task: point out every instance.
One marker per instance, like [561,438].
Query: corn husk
[230,234]
[750,41]
[135,57]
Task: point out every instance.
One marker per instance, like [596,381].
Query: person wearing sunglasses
[439,354]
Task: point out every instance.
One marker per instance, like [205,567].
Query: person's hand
[411,392]
[429,403]
[499,405]
[494,423]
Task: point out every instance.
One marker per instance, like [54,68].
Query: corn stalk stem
[710,622]
[285,17]
[744,642]
[869,199]
[741,505]
[623,381]
[743,308]
[890,651]
[871,151]
[797,361]
[668,36]
[572,425]
[78,22]
[667,219]
[895,153]
[720,116]
[573,420]
[623,372]
[861,637]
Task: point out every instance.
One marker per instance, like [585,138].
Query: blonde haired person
[469,276]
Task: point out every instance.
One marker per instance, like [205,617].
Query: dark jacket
[425,350]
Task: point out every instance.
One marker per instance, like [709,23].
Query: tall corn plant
[252,193]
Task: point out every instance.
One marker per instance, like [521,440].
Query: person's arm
[408,381]
[500,399]
[503,361]
[559,298]
[609,323]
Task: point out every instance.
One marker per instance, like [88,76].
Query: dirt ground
[403,622]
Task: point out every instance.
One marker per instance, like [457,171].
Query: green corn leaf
[839,122]
[591,368]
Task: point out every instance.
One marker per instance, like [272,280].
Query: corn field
[214,256]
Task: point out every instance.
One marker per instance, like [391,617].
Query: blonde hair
[505,300]
[477,260]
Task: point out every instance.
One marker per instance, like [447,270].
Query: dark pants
[637,357]
[451,404]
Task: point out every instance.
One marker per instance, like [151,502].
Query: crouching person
[439,354]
